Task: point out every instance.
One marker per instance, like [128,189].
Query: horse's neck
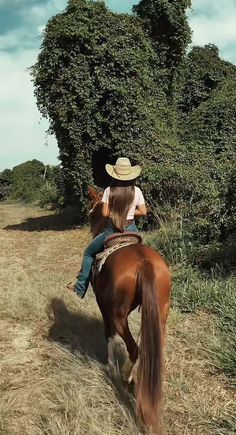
[97,221]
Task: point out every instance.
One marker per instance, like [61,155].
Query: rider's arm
[105,210]
[141,210]
[105,202]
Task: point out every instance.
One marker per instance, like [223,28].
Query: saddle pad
[121,238]
[101,258]
[112,244]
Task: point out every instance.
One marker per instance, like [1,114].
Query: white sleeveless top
[138,200]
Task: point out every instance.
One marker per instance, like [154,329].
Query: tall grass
[195,290]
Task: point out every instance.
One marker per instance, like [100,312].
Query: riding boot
[73,287]
[82,283]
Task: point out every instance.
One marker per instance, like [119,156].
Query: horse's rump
[136,275]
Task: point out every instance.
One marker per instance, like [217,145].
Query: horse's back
[130,257]
[118,278]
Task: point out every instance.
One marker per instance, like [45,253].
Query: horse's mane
[97,221]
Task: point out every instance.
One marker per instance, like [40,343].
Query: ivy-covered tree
[169,30]
[203,71]
[96,80]
[230,203]
[209,133]
[212,125]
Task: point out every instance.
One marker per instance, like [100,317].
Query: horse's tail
[148,388]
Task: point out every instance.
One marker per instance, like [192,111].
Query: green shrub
[5,184]
[49,194]
[172,242]
[27,179]
[52,191]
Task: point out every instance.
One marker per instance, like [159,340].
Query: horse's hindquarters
[133,275]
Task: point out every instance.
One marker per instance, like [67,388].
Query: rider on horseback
[122,202]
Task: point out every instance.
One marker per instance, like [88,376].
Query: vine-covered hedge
[117,84]
[97,83]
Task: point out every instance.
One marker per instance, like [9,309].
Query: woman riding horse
[122,202]
[132,276]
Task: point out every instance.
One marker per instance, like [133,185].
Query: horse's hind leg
[110,337]
[122,328]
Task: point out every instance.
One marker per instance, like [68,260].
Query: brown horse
[135,276]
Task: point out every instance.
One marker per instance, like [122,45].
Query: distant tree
[27,179]
[5,184]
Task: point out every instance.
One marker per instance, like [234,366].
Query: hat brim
[135,171]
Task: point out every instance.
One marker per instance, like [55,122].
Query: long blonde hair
[120,199]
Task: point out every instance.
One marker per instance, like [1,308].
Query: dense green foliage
[208,129]
[52,191]
[115,84]
[5,184]
[202,72]
[99,69]
[33,181]
[169,31]
[27,179]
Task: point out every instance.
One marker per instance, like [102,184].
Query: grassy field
[52,347]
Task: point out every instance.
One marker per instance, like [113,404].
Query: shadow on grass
[79,332]
[62,220]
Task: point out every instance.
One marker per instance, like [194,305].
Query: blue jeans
[96,246]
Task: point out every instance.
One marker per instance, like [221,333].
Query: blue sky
[22,131]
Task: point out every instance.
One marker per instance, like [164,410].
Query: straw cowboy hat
[123,170]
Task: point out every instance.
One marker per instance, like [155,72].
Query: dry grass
[52,348]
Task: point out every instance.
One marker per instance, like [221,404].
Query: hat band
[122,170]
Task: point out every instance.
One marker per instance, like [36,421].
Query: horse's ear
[94,195]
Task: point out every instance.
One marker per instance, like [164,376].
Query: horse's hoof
[111,370]
[126,370]
[133,375]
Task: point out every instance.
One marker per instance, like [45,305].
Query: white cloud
[20,37]
[32,20]
[213,8]
[40,13]
[41,29]
[22,134]
[214,22]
